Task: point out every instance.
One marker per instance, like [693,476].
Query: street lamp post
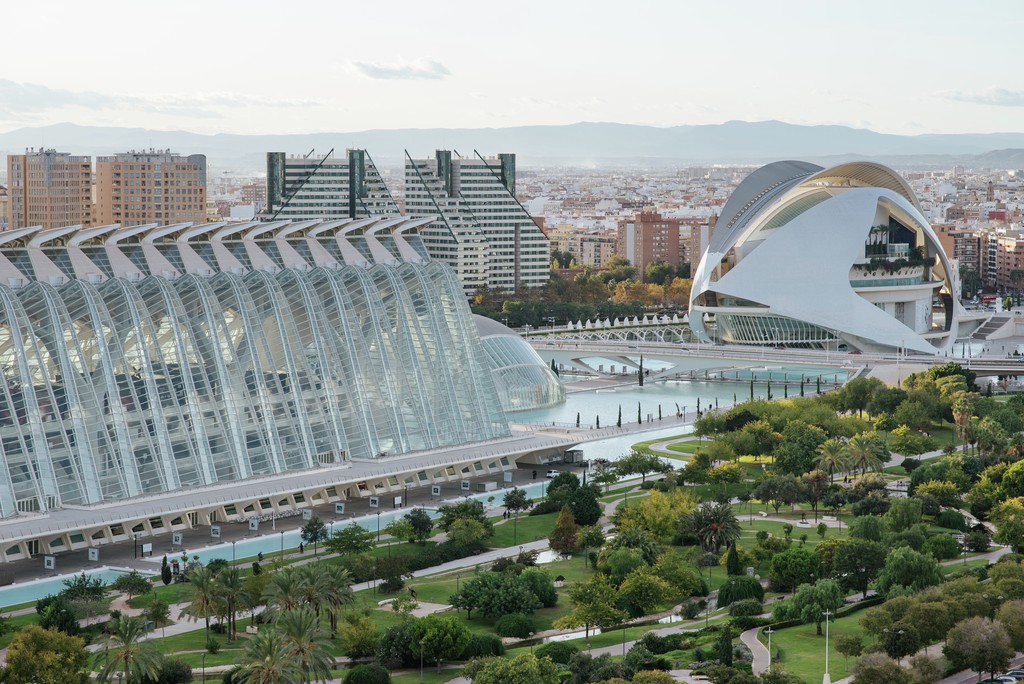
[827,679]
[233,552]
[551,320]
[769,632]
[623,639]
[135,538]
[531,642]
[203,660]
[282,544]
[378,527]
[527,327]
[422,644]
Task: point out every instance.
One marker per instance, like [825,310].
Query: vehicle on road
[552,473]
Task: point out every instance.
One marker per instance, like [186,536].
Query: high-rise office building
[136,188]
[325,187]
[49,189]
[482,231]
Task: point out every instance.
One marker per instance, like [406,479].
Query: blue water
[14,594]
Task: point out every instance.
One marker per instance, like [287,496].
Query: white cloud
[419,69]
[999,97]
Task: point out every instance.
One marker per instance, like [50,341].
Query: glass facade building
[522,379]
[144,360]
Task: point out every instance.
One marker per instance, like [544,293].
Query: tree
[858,562]
[732,561]
[172,671]
[516,500]
[230,590]
[591,537]
[778,490]
[905,567]
[640,463]
[45,656]
[201,582]
[979,644]
[848,645]
[467,532]
[308,643]
[124,653]
[493,594]
[399,529]
[159,612]
[350,540]
[900,640]
[132,583]
[793,567]
[55,613]
[903,514]
[1010,615]
[797,452]
[810,602]
[421,523]
[438,638]
[641,591]
[523,669]
[878,668]
[165,572]
[470,509]
[594,605]
[268,659]
[815,485]
[314,532]
[357,636]
[564,538]
[1008,518]
[367,673]
[586,510]
[714,525]
[866,451]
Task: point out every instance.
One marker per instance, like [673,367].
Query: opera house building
[839,258]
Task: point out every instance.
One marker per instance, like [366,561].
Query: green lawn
[802,652]
[528,528]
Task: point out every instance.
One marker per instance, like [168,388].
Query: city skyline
[902,69]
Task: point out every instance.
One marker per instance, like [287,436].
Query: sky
[254,66]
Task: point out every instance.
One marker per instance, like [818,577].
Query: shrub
[658,644]
[942,547]
[514,625]
[692,609]
[216,565]
[212,646]
[483,646]
[746,607]
[559,652]
[392,584]
[740,588]
[367,674]
[952,519]
[394,649]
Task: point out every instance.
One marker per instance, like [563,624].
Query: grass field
[802,652]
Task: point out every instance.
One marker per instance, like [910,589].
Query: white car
[552,473]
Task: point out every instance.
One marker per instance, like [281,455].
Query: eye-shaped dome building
[825,258]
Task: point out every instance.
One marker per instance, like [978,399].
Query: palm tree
[231,591]
[866,450]
[124,653]
[314,583]
[832,456]
[204,595]
[338,594]
[962,410]
[284,592]
[268,659]
[714,525]
[307,642]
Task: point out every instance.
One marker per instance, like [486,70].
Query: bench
[763,514]
[828,518]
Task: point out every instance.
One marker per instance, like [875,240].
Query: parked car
[552,473]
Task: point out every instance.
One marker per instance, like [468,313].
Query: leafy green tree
[421,523]
[659,273]
[849,645]
[810,602]
[357,635]
[903,514]
[564,537]
[640,463]
[230,590]
[399,529]
[438,638]
[858,562]
[878,668]
[314,532]
[55,612]
[641,591]
[45,656]
[584,506]
[367,673]
[900,640]
[739,588]
[165,572]
[793,567]
[798,450]
[350,540]
[541,585]
[832,456]
[309,644]
[591,537]
[978,644]
[523,669]
[468,533]
[594,605]
[493,594]
[732,561]
[465,510]
[132,583]
[203,590]
[905,567]
[778,490]
[516,500]
[867,451]
[124,653]
[1010,615]
[159,612]
[725,647]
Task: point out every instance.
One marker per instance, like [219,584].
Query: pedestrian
[301,547]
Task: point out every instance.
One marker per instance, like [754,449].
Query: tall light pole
[422,643]
[378,527]
[233,552]
[282,544]
[769,632]
[203,660]
[826,679]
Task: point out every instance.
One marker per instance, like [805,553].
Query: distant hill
[598,144]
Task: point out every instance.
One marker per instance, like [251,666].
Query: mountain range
[580,144]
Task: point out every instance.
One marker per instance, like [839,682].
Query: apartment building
[325,187]
[481,230]
[5,208]
[49,189]
[649,238]
[158,186]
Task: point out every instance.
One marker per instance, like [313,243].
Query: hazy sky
[291,67]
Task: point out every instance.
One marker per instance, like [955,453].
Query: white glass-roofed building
[154,359]
[838,258]
[521,377]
